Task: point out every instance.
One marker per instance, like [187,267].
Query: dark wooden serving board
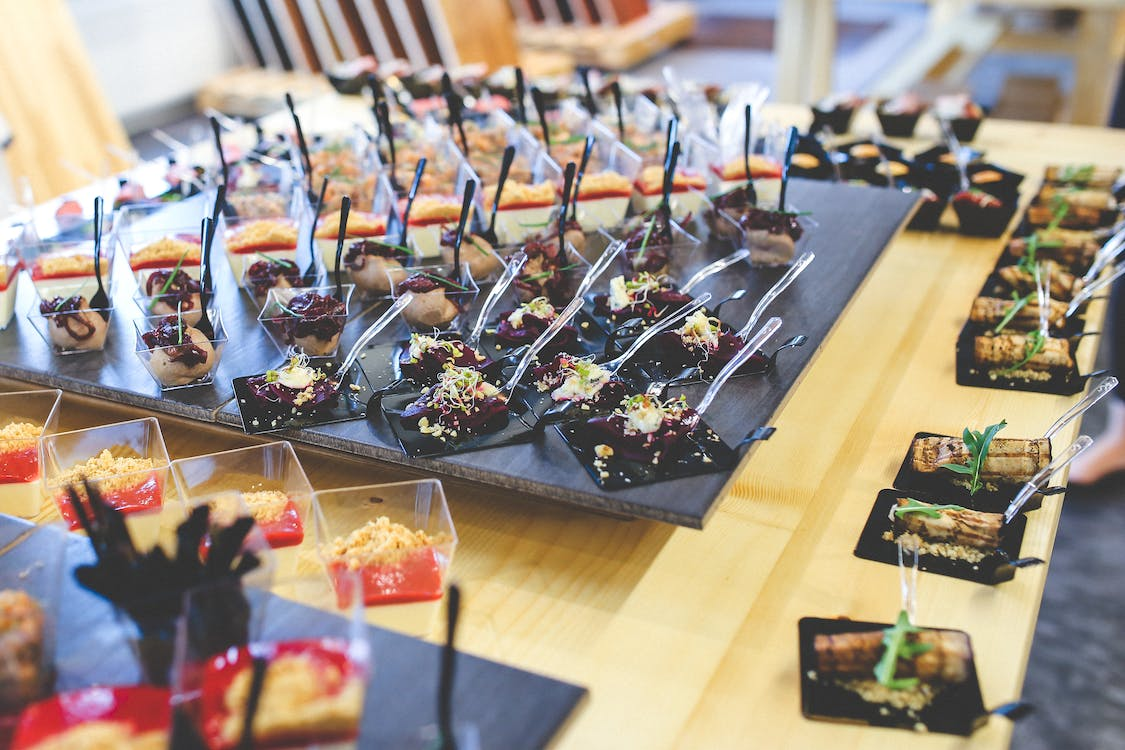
[853,226]
[511,708]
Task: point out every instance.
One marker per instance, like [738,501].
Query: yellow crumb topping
[257,233]
[105,465]
[429,207]
[518,193]
[378,542]
[104,735]
[19,436]
[73,264]
[266,505]
[604,182]
[169,250]
[651,180]
[360,224]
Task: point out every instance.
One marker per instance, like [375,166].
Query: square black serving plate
[996,568]
[259,417]
[703,452]
[957,709]
[592,337]
[1059,383]
[942,487]
[659,369]
[519,429]
[995,286]
[542,406]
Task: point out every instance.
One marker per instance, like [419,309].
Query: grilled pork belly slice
[1064,285]
[969,528]
[1009,349]
[990,311]
[856,654]
[1011,460]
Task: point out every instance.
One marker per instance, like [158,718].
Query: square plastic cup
[155,236]
[445,308]
[137,490]
[315,335]
[185,301]
[368,222]
[58,266]
[186,365]
[10,265]
[248,240]
[25,417]
[412,580]
[687,194]
[269,202]
[31,571]
[71,331]
[269,481]
[559,287]
[766,249]
[678,259]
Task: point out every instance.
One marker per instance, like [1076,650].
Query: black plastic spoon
[383,114]
[456,109]
[207,236]
[310,270]
[466,207]
[748,119]
[581,172]
[541,110]
[217,130]
[345,208]
[568,183]
[301,143]
[670,177]
[259,665]
[615,90]
[206,282]
[448,670]
[505,166]
[590,103]
[410,199]
[521,95]
[789,150]
[376,90]
[100,300]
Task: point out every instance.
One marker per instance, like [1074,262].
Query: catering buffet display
[577,289]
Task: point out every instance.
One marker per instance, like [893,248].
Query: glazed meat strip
[989,311]
[1079,215]
[856,654]
[1064,285]
[1077,197]
[1009,349]
[1011,460]
[1072,247]
[970,528]
[1087,175]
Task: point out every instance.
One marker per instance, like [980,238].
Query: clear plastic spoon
[511,270]
[373,330]
[614,365]
[714,267]
[775,291]
[737,361]
[1104,386]
[1043,475]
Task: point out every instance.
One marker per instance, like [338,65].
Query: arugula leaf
[896,646]
[933,511]
[1035,343]
[977,443]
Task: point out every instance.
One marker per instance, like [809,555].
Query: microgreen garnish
[548,274]
[278,261]
[1035,343]
[171,278]
[1076,173]
[1062,208]
[1018,303]
[648,234]
[933,511]
[443,280]
[896,645]
[537,225]
[977,443]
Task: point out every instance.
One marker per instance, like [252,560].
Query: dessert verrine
[476,252]
[524,209]
[765,172]
[267,273]
[580,380]
[247,240]
[550,271]
[25,416]
[527,323]
[137,717]
[55,267]
[177,354]
[688,191]
[376,264]
[646,296]
[127,481]
[427,217]
[603,199]
[10,266]
[310,320]
[440,296]
[771,236]
[461,403]
[171,291]
[274,512]
[312,694]
[643,428]
[649,244]
[362,225]
[72,325]
[425,357]
[394,563]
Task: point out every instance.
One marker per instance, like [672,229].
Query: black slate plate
[996,568]
[258,417]
[995,286]
[592,337]
[940,485]
[703,452]
[958,709]
[1061,383]
[544,407]
[667,372]
[418,445]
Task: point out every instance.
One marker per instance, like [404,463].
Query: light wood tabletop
[689,638]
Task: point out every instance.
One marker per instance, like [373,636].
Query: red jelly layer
[525,204]
[676,188]
[427,222]
[144,496]
[756,174]
[286,530]
[416,578]
[219,672]
[164,263]
[599,194]
[19,466]
[38,275]
[263,247]
[144,708]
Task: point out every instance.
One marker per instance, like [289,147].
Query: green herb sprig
[645,239]
[977,443]
[1018,303]
[279,261]
[1035,343]
[932,511]
[897,646]
[443,280]
[548,274]
[168,283]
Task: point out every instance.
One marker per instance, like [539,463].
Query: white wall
[151,56]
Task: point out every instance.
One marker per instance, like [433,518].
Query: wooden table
[688,638]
